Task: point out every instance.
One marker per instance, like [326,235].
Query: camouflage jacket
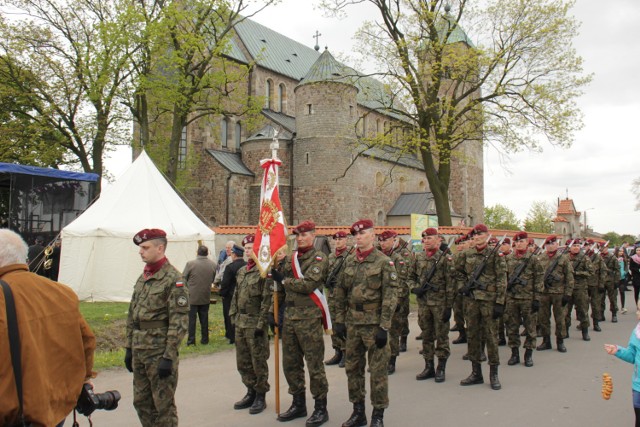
[613,268]
[297,299]
[366,293]
[442,289]
[600,272]
[561,278]
[403,260]
[251,299]
[333,260]
[158,312]
[528,285]
[493,277]
[582,270]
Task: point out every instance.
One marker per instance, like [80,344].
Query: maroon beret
[493,241]
[531,241]
[363,224]
[304,226]
[576,242]
[506,241]
[148,234]
[480,228]
[387,234]
[430,232]
[590,242]
[249,238]
[339,235]
[550,239]
[603,244]
[520,235]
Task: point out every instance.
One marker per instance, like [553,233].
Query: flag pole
[276,311]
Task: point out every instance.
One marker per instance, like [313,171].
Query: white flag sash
[316,296]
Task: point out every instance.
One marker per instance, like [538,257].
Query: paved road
[561,389]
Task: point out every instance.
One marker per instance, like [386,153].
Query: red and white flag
[317,296]
[271,234]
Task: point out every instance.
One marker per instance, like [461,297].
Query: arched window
[282,98]
[365,123]
[422,186]
[379,179]
[378,127]
[182,149]
[268,101]
[238,134]
[224,132]
[403,184]
[380,218]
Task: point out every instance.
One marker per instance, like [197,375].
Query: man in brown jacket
[199,274]
[56,343]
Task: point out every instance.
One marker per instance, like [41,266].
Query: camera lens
[108,400]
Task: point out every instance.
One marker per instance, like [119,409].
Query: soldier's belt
[150,324]
[364,307]
[252,310]
[301,303]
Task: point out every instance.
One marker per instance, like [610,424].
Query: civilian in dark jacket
[228,287]
[199,274]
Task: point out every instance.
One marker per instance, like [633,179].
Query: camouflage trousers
[397,326]
[435,332]
[361,343]
[336,342]
[518,311]
[480,324]
[153,397]
[302,341]
[251,358]
[458,311]
[579,299]
[549,302]
[596,299]
[612,294]
[406,302]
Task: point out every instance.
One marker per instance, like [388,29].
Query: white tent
[99,259]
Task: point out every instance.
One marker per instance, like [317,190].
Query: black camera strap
[14,343]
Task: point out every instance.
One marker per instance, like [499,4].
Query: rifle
[549,275]
[597,251]
[577,262]
[474,283]
[331,278]
[515,279]
[426,285]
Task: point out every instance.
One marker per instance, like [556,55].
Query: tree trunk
[178,123]
[439,185]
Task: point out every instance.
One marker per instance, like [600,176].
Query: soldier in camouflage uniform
[157,322]
[462,244]
[335,258]
[430,280]
[582,272]
[523,298]
[301,274]
[558,288]
[596,285]
[403,262]
[611,282]
[505,249]
[366,301]
[484,303]
[249,307]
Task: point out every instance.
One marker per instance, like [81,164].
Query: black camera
[90,401]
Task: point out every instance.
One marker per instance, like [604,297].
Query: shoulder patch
[500,254]
[393,275]
[401,262]
[182,301]
[179,284]
[315,269]
[391,263]
[319,258]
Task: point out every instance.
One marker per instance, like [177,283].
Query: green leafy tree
[614,238]
[517,83]
[539,218]
[500,217]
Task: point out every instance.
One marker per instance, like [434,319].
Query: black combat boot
[614,317]
[427,372]
[493,377]
[246,401]
[342,360]
[298,408]
[462,338]
[403,344]
[475,377]
[546,343]
[585,334]
[358,418]
[376,418]
[442,366]
[566,334]
[515,357]
[320,414]
[337,357]
[391,367]
[419,337]
[259,404]
[596,326]
[528,358]
[560,344]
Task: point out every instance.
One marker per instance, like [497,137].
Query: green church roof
[327,69]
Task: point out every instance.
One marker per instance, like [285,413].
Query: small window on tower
[306,156]
[309,109]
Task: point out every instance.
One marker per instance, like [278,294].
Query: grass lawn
[108,319]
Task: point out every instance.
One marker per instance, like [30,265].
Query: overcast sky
[598,169]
